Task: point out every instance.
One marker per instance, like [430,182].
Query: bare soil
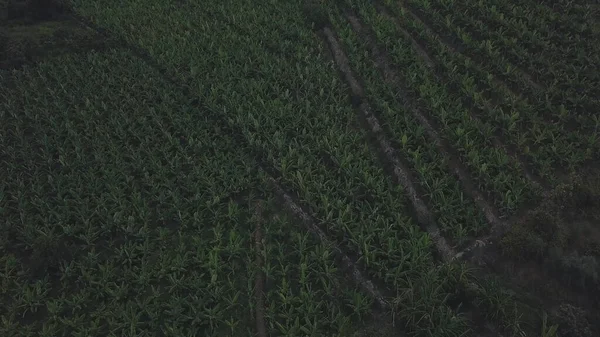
[32,30]
[549,258]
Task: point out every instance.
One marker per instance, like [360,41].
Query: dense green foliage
[134,185]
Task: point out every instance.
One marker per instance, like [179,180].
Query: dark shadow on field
[550,258]
[32,30]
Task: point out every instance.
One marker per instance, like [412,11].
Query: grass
[145,147]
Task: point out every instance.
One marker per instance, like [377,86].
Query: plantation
[299,168]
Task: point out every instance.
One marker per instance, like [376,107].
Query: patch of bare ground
[551,255]
[35,30]
[259,282]
[392,77]
[382,325]
[514,154]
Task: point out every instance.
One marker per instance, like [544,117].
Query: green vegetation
[145,145]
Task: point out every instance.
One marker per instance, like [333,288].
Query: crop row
[531,27]
[140,234]
[305,293]
[581,13]
[569,91]
[522,123]
[385,100]
[292,108]
[572,18]
[455,213]
[297,132]
[572,84]
[488,165]
[103,169]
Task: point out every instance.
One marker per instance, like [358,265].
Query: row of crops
[120,216]
[133,204]
[553,121]
[291,107]
[573,137]
[490,167]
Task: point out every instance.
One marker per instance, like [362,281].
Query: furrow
[424,215]
[427,59]
[271,172]
[311,224]
[520,87]
[511,151]
[390,76]
[460,171]
[363,282]
[458,50]
[259,285]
